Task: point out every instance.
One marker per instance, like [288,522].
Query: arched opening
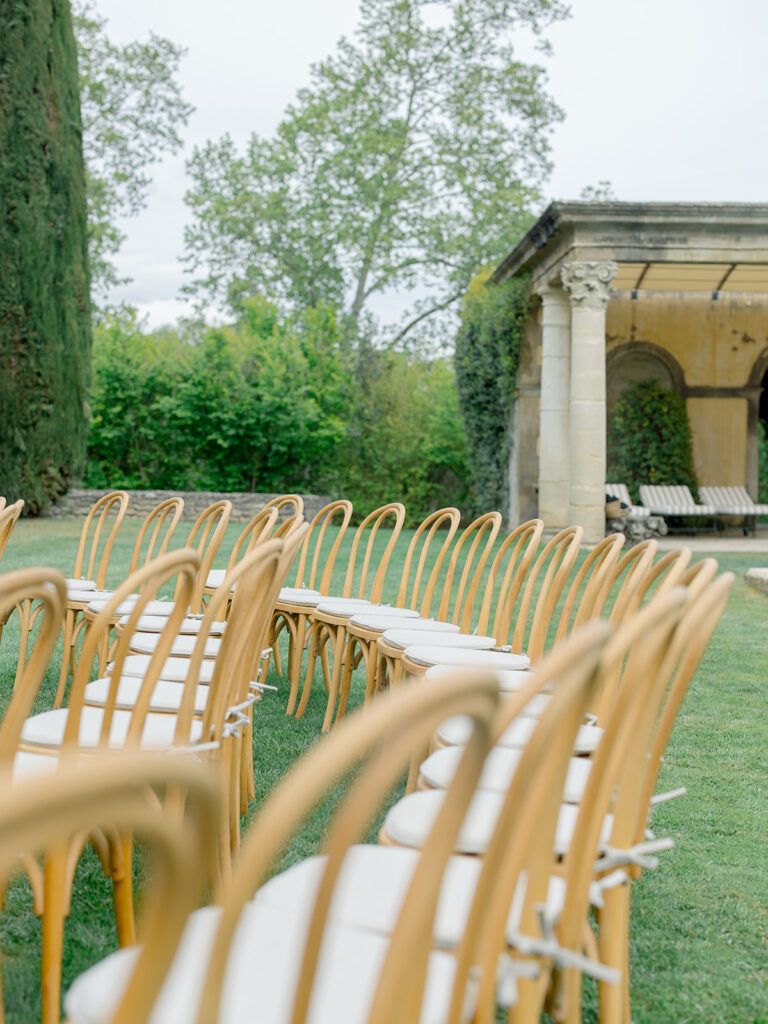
[639,361]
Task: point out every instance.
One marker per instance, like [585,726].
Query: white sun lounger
[668,500]
[621,491]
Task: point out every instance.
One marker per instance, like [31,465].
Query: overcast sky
[666,99]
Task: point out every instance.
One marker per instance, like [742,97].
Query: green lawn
[700,923]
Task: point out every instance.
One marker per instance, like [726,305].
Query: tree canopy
[132,109]
[414,157]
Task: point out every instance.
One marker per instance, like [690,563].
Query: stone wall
[77,502]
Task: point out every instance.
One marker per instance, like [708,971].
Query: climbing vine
[487,359]
[649,439]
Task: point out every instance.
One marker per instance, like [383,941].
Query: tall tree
[132,110]
[413,158]
[44,305]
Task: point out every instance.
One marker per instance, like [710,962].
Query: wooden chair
[9,516]
[97,538]
[376,883]
[544,585]
[313,581]
[152,540]
[110,794]
[630,817]
[328,619]
[289,971]
[293,506]
[205,536]
[468,560]
[257,530]
[418,584]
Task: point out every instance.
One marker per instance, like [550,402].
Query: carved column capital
[588,282]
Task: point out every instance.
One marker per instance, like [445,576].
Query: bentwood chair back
[111,793]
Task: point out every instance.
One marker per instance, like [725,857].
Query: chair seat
[299,595]
[261,974]
[407,637]
[510,680]
[456,731]
[189,626]
[373,884]
[409,821]
[174,670]
[183,646]
[350,605]
[382,623]
[47,729]
[432,654]
[498,771]
[78,596]
[32,766]
[166,696]
[83,583]
[163,608]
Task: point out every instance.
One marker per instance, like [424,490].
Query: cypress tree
[44,285]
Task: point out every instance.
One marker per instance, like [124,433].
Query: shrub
[487,359]
[649,439]
[44,311]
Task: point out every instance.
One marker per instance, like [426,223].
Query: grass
[699,923]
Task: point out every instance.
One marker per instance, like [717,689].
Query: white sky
[666,99]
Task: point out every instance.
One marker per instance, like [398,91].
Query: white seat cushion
[174,670]
[432,654]
[33,766]
[261,975]
[182,647]
[125,607]
[81,583]
[381,623]
[86,596]
[407,637]
[166,696]
[299,595]
[189,626]
[372,886]
[498,771]
[409,821]
[456,731]
[47,729]
[510,680]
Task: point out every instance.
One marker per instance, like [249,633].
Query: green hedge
[649,439]
[487,358]
[275,403]
[44,312]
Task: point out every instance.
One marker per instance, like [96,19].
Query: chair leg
[25,625]
[122,890]
[337,640]
[314,643]
[54,913]
[613,939]
[295,650]
[66,656]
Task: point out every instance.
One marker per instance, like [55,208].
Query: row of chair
[451,918]
[529,726]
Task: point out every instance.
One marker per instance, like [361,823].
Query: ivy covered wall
[487,361]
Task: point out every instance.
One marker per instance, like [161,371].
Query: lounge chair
[677,500]
[621,491]
[733,501]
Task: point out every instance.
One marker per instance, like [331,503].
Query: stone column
[589,287]
[554,426]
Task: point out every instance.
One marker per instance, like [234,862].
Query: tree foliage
[273,403]
[132,110]
[487,358]
[649,439]
[414,157]
[44,308]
